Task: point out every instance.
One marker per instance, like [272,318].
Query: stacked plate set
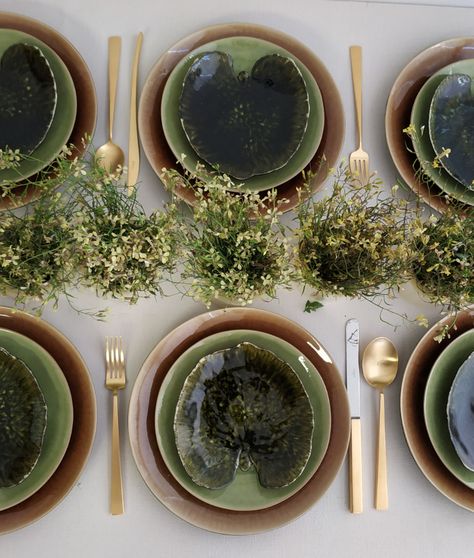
[238,421]
[430,123]
[245,101]
[48,101]
[437,411]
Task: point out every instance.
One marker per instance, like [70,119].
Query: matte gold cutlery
[359,159]
[110,155]
[379,366]
[133,147]
[115,380]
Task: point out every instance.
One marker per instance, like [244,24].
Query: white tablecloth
[420,521]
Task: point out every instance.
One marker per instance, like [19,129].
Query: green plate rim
[176,138]
[224,498]
[435,402]
[64,116]
[58,398]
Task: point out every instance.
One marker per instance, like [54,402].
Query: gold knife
[133,147]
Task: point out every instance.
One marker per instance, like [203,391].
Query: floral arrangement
[234,245]
[354,241]
[91,232]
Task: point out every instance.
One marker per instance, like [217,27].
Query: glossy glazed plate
[86,114]
[244,50]
[412,395]
[56,392]
[436,401]
[421,138]
[141,422]
[399,105]
[245,492]
[154,142]
[83,429]
[452,126]
[64,116]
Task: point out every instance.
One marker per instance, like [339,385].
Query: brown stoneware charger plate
[411,400]
[400,103]
[83,83]
[154,143]
[141,422]
[84,422]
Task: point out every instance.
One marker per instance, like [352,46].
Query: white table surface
[420,521]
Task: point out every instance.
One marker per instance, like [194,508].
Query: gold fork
[115,380]
[359,159]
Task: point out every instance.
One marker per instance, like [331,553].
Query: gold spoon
[379,366]
[110,156]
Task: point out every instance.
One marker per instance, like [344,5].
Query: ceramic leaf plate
[305,124]
[84,122]
[461,412]
[436,397]
[421,140]
[66,356]
[259,114]
[245,492]
[59,417]
[142,428]
[22,420]
[27,97]
[64,115]
[157,148]
[452,126]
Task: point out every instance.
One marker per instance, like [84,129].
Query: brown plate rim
[84,422]
[142,431]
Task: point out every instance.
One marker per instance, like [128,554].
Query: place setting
[239,419]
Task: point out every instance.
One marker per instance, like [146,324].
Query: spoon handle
[381,488]
[115,45]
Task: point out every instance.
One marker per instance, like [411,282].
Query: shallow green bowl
[244,51]
[436,400]
[422,145]
[245,492]
[58,399]
[64,116]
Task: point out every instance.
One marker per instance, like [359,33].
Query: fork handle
[116,491]
[356,67]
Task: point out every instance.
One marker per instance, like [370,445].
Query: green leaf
[312,305]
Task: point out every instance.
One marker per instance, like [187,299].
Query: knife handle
[355,468]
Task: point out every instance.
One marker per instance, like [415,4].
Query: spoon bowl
[110,156]
[380,366]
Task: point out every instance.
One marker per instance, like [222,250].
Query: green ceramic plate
[244,493]
[421,140]
[244,51]
[64,116]
[59,414]
[435,404]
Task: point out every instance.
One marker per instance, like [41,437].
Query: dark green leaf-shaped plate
[64,115]
[461,412]
[452,126]
[27,97]
[436,397]
[421,139]
[245,492]
[22,420]
[246,123]
[244,52]
[58,402]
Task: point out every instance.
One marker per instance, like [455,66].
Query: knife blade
[353,391]
[133,147]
